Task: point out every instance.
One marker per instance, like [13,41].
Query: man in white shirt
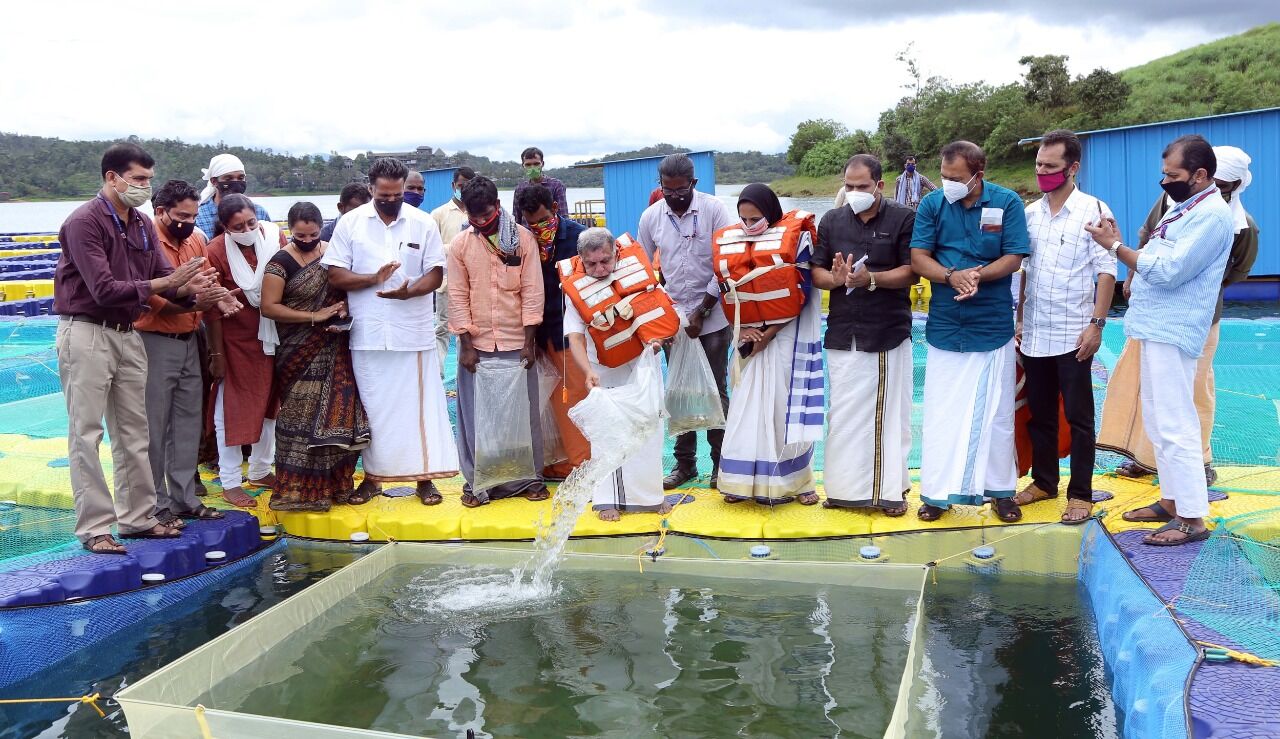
[1060,320]
[679,229]
[389,259]
[450,218]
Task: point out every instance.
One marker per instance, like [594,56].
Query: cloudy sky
[579,79]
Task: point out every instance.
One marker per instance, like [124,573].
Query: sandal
[104,544]
[266,482]
[1189,535]
[1007,510]
[1033,493]
[929,512]
[807,498]
[471,501]
[1133,469]
[1157,511]
[535,495]
[200,513]
[427,493]
[895,511]
[159,531]
[170,519]
[366,492]
[237,497]
[1075,505]
[734,499]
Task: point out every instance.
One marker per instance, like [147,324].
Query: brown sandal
[1033,493]
[534,495]
[1074,505]
[159,531]
[807,498]
[104,544]
[895,511]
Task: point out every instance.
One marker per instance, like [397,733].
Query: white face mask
[859,201]
[756,228]
[954,191]
[248,238]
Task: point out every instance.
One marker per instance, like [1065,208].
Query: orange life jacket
[757,274]
[624,311]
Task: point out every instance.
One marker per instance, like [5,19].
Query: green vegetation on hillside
[1232,74]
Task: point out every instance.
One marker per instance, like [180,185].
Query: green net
[1233,584]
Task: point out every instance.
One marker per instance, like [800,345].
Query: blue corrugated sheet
[439,184]
[628,183]
[1122,166]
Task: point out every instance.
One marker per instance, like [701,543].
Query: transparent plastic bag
[692,400]
[553,451]
[618,421]
[504,440]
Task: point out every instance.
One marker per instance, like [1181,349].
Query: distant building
[416,159]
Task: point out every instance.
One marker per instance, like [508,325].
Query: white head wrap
[218,166]
[1233,165]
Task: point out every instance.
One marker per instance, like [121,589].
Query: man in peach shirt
[495,306]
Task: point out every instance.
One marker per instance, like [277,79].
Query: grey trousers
[442,326]
[104,373]
[174,403]
[467,431]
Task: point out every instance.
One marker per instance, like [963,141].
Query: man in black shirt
[863,257]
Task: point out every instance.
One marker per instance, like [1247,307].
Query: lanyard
[1163,227]
[146,243]
[683,235]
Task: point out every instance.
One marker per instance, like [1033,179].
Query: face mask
[533,173]
[414,199]
[545,231]
[179,230]
[489,227]
[306,246]
[679,203]
[248,238]
[134,196]
[859,201]
[911,168]
[954,191]
[757,228]
[389,208]
[1178,190]
[457,194]
[1052,181]
[233,187]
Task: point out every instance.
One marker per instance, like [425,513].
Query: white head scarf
[218,166]
[266,244]
[1233,165]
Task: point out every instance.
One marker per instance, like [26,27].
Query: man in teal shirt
[969,238]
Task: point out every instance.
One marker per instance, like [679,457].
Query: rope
[1215,650]
[202,722]
[91,700]
[663,527]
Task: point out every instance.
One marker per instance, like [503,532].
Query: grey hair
[594,239]
[676,165]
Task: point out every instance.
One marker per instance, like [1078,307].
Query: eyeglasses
[680,191]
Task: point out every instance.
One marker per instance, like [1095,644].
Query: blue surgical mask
[413,198]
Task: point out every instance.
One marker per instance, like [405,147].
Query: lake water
[47,217]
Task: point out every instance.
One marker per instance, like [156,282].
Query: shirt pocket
[988,246]
[882,253]
[508,277]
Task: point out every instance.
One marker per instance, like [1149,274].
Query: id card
[992,220]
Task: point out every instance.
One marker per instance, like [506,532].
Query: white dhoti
[1170,419]
[968,451]
[869,427]
[408,416]
[637,484]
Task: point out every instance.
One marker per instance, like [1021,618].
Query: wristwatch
[1099,322]
[872,287]
[1115,247]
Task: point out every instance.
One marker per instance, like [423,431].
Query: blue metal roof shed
[439,183]
[628,183]
[1122,166]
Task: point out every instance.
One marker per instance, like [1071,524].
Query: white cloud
[578,80]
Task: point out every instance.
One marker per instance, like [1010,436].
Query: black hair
[388,168]
[173,192]
[909,156]
[118,157]
[355,191]
[478,194]
[676,165]
[463,173]
[228,206]
[532,152]
[532,197]
[1070,144]
[1197,153]
[302,211]
[870,162]
[972,154]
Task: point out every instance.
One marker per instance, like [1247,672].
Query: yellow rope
[91,699]
[202,722]
[1245,657]
[663,528]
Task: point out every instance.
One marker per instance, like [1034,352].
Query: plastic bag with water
[504,440]
[553,451]
[621,419]
[693,400]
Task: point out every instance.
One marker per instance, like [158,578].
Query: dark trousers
[1048,378]
[716,345]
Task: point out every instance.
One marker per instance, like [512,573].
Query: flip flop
[1161,515]
[1189,535]
[1007,510]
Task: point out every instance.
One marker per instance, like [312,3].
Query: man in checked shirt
[1067,291]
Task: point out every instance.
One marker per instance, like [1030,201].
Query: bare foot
[609,514]
[665,508]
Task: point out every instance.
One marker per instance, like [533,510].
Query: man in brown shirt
[111,264]
[174,386]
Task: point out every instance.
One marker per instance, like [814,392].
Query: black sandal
[929,512]
[1157,511]
[1007,510]
[202,513]
[159,531]
[428,494]
[104,544]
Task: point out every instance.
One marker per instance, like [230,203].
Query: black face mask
[388,208]
[1178,190]
[306,247]
[679,203]
[233,187]
[179,230]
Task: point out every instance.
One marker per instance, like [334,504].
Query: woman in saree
[321,426]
